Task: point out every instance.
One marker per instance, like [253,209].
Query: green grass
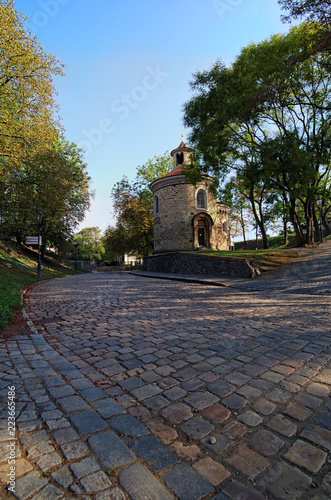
[274,242]
[17,272]
[243,254]
[265,260]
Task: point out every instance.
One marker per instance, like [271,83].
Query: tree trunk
[285,240]
[259,221]
[296,224]
[285,217]
[263,229]
[309,222]
[256,238]
[264,238]
[243,225]
[327,228]
[317,227]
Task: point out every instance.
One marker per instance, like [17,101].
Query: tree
[231,195]
[153,169]
[135,214]
[133,206]
[28,113]
[276,93]
[40,172]
[54,184]
[317,10]
[90,245]
[115,241]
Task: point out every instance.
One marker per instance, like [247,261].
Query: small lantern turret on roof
[181,155]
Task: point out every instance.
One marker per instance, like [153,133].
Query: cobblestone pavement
[152,389]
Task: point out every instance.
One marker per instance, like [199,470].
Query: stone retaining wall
[85,265]
[187,263]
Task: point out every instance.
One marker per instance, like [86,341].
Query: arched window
[201,199]
[179,158]
[225,227]
[156,204]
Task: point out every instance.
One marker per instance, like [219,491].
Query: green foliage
[151,170]
[318,10]
[5,315]
[239,216]
[29,120]
[133,206]
[134,226]
[267,119]
[54,184]
[40,172]
[90,246]
[116,240]
[17,272]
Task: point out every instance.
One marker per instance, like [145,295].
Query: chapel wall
[172,225]
[174,228]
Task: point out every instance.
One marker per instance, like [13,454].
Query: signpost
[32,240]
[36,240]
[40,228]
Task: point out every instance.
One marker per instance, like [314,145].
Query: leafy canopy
[29,118]
[54,184]
[268,118]
[90,246]
[317,10]
[40,172]
[133,206]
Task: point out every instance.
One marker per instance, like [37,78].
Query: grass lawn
[274,242]
[17,272]
[265,260]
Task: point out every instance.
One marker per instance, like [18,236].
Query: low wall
[85,265]
[210,265]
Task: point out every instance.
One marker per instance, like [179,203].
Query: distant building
[131,260]
[187,217]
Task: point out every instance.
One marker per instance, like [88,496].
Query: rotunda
[187,216]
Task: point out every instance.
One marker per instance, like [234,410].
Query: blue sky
[128,68]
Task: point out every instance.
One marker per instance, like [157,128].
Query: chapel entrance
[202,226]
[201,237]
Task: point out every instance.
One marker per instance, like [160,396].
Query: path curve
[145,388]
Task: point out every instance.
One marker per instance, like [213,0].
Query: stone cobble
[136,388]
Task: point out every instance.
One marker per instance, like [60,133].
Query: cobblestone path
[152,389]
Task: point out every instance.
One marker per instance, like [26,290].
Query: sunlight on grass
[265,260]
[18,272]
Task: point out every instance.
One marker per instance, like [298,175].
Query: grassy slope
[274,242]
[265,260]
[18,271]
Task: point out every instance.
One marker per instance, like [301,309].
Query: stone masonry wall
[86,265]
[173,229]
[186,263]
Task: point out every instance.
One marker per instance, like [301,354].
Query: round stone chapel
[187,217]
